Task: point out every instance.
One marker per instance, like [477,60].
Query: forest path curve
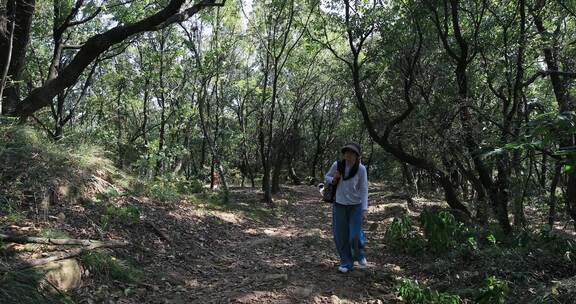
[243,253]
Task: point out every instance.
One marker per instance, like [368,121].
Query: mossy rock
[64,275]
[42,284]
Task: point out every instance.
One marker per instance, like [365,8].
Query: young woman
[350,206]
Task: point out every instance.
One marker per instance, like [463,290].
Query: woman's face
[350,156]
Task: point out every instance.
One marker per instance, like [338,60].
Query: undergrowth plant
[109,267]
[401,235]
[170,188]
[555,243]
[110,194]
[494,291]
[441,229]
[128,215]
[415,293]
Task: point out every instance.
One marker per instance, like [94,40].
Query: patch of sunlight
[281,264]
[176,215]
[228,217]
[393,268]
[280,231]
[252,231]
[314,232]
[283,232]
[257,296]
[192,283]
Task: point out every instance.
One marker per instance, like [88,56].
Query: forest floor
[244,252]
[200,250]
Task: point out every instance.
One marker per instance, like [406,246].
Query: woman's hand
[336,177]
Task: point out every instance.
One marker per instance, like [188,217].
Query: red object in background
[215,180]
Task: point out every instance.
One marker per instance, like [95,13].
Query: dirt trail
[244,254]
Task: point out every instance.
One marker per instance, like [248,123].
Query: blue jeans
[348,234]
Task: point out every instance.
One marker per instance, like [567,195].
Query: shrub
[495,291]
[162,189]
[188,186]
[169,188]
[128,215]
[416,293]
[441,229]
[402,236]
[555,243]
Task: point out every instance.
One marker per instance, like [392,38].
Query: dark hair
[353,169]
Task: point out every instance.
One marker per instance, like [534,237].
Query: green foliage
[15,217]
[185,186]
[556,244]
[471,241]
[401,235]
[130,213]
[491,238]
[441,229]
[415,293]
[170,188]
[547,131]
[38,167]
[9,209]
[163,189]
[495,291]
[52,233]
[400,229]
[127,215]
[109,267]
[108,195]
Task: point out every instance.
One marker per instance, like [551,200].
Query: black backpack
[329,190]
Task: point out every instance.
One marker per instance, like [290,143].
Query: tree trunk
[315,157]
[277,172]
[6,63]
[212,179]
[292,172]
[58,117]
[119,129]
[560,86]
[451,195]
[497,192]
[552,199]
[21,13]
[519,216]
[543,169]
[266,185]
[158,169]
[571,195]
[480,199]
[264,152]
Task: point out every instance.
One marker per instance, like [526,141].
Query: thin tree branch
[74,23]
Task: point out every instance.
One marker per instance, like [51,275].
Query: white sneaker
[343,269]
[363,262]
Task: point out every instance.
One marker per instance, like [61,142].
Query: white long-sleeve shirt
[352,191]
